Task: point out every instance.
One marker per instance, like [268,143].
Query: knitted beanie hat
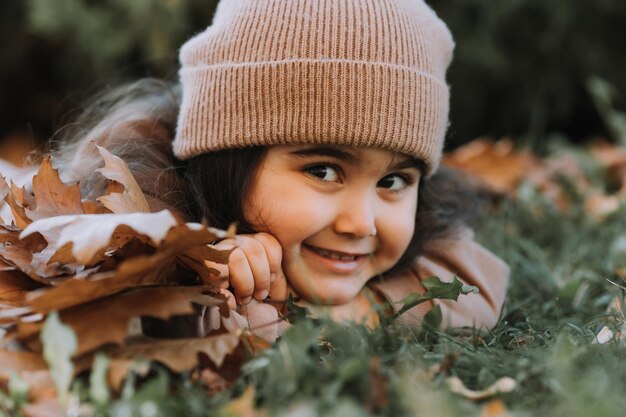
[342,72]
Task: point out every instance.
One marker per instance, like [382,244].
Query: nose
[357,217]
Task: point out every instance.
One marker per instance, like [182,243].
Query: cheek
[279,209]
[397,230]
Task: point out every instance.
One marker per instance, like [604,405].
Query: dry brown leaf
[494,408]
[244,406]
[613,159]
[23,198]
[132,199]
[94,207]
[46,407]
[107,320]
[92,233]
[181,354]
[4,266]
[136,272]
[19,252]
[118,371]
[497,164]
[17,210]
[155,269]
[18,362]
[14,286]
[600,205]
[53,197]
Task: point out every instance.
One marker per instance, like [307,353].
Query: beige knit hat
[344,72]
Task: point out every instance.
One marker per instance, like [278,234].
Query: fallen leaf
[93,233]
[600,205]
[494,408]
[113,314]
[17,210]
[502,385]
[132,199]
[14,286]
[497,164]
[118,371]
[19,252]
[181,355]
[244,406]
[52,196]
[47,407]
[11,361]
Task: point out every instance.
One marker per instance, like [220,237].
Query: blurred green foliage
[521,67]
[57,53]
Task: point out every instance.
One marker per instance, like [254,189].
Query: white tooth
[335,256]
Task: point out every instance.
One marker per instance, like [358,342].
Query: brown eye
[324,172]
[393,182]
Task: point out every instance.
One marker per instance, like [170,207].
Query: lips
[335,255]
[340,256]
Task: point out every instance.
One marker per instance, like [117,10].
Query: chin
[326,296]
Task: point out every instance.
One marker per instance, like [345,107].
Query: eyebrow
[328,151]
[332,152]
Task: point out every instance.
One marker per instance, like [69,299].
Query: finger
[258,262]
[273,251]
[240,276]
[278,289]
[230,298]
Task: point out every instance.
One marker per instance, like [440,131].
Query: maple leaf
[132,199]
[158,268]
[18,211]
[93,233]
[14,286]
[18,252]
[12,361]
[181,354]
[113,314]
[52,196]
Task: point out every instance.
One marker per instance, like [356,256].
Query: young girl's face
[341,214]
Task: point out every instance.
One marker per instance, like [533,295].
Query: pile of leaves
[77,276]
[558,222]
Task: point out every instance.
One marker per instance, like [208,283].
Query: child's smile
[341,214]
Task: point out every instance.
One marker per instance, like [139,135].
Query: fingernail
[245,301]
[272,277]
[261,295]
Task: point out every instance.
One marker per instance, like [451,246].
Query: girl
[318,127]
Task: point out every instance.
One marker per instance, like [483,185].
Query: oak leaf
[107,320]
[132,199]
[93,233]
[181,354]
[52,196]
[14,286]
[18,211]
[11,361]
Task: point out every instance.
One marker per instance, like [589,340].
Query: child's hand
[254,267]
